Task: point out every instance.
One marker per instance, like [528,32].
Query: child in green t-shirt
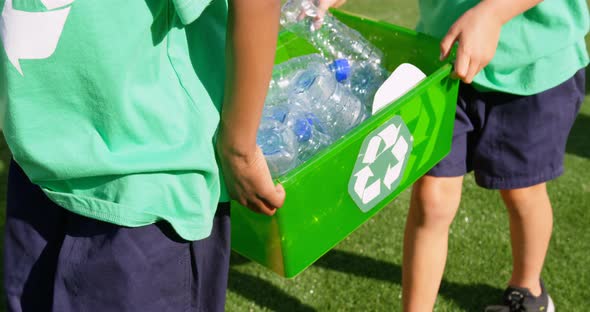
[522,64]
[115,201]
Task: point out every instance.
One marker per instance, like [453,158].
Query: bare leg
[531,224]
[432,209]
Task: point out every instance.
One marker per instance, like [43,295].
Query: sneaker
[521,300]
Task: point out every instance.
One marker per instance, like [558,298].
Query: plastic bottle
[284,73]
[364,82]
[310,135]
[335,40]
[278,143]
[336,108]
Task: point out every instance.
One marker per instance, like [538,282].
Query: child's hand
[323,6]
[249,181]
[477,32]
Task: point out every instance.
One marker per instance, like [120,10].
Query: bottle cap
[302,129]
[341,69]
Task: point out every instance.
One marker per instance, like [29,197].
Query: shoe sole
[550,305]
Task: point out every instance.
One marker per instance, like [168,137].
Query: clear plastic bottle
[335,40]
[364,82]
[283,74]
[277,141]
[310,135]
[336,108]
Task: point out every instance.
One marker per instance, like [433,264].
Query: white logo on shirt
[32,35]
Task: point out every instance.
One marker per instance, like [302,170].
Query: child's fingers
[461,64]
[322,9]
[447,42]
[253,203]
[259,206]
[474,68]
[301,16]
[273,197]
[319,19]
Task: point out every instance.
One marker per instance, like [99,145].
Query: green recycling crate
[336,191]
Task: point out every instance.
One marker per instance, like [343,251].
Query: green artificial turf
[363,273]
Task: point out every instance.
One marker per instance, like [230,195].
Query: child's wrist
[234,148]
[496,9]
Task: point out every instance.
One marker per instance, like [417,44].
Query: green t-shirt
[106,112]
[538,49]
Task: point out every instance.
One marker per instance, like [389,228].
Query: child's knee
[520,202]
[435,201]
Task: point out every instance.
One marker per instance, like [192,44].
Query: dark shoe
[521,300]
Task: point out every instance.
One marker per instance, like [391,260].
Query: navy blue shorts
[55,260]
[512,141]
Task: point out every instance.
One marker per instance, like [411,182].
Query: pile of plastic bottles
[315,99]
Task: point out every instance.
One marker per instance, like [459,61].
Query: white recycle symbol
[389,150]
[32,35]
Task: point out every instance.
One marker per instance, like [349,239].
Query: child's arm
[478,32]
[252,37]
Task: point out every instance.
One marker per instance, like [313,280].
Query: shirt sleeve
[190,10]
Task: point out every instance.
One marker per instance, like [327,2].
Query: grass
[363,273]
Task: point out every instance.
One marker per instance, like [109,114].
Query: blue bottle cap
[315,122]
[341,68]
[302,129]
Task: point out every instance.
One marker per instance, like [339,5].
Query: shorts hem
[509,183]
[447,171]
